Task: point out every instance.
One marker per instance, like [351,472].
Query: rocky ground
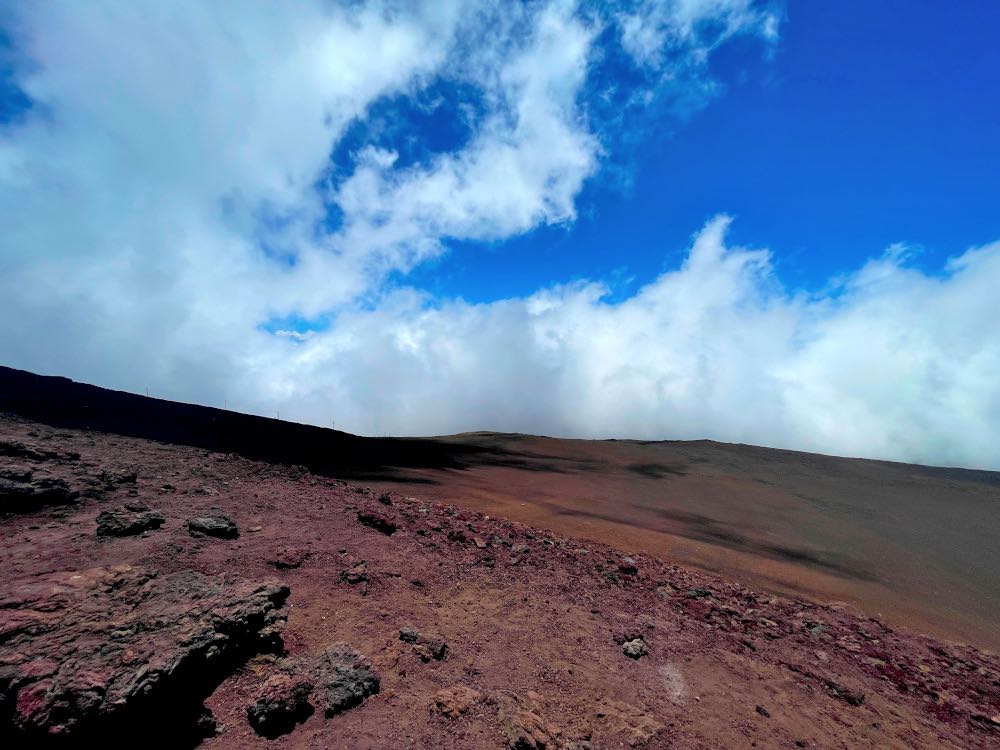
[163,595]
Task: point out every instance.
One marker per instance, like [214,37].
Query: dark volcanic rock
[27,496]
[627,567]
[378,521]
[283,702]
[108,653]
[344,679]
[16,449]
[426,646]
[216,525]
[114,478]
[127,522]
[851,697]
[357,573]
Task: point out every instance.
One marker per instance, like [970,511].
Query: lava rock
[124,522]
[627,567]
[851,697]
[378,521]
[282,702]
[17,449]
[357,573]
[92,654]
[343,679]
[526,730]
[217,525]
[116,477]
[408,635]
[287,559]
[20,496]
[454,701]
[426,646]
[634,649]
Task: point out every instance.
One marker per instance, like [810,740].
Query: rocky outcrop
[95,653]
[20,493]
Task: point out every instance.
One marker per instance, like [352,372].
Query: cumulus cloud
[174,220]
[889,362]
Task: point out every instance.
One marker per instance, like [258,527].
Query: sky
[762,222]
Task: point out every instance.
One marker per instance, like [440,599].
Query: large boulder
[100,654]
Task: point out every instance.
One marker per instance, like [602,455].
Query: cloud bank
[210,202]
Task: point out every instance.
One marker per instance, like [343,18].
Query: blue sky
[870,124]
[742,220]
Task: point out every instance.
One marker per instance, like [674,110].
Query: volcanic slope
[916,545]
[155,591]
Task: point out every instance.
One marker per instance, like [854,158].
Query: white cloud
[891,363]
[166,197]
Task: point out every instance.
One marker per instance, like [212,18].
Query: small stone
[283,702]
[255,529]
[627,567]
[344,679]
[454,701]
[478,540]
[526,730]
[125,523]
[426,646]
[851,697]
[378,521]
[763,712]
[216,525]
[287,559]
[357,573]
[408,635]
[634,649]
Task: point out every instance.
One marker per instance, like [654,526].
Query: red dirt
[534,621]
[916,545]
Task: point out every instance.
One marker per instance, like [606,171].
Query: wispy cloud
[169,200]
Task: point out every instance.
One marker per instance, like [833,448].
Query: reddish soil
[535,623]
[913,544]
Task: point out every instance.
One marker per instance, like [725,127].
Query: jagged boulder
[343,678]
[282,702]
[95,654]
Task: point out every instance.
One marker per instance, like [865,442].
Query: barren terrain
[185,596]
